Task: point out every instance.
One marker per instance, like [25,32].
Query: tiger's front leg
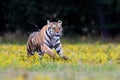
[58,48]
[47,50]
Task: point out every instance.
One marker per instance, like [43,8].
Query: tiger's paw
[65,57]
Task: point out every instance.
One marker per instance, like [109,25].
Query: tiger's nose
[57,30]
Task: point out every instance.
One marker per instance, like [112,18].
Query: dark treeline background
[83,17]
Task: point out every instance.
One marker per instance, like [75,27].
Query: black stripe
[56,40]
[48,35]
[38,48]
[47,41]
[48,28]
[30,46]
[58,51]
[57,35]
[56,45]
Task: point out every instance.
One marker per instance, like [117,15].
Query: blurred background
[80,17]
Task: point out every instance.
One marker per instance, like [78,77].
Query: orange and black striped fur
[44,40]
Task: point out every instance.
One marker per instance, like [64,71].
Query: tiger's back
[35,41]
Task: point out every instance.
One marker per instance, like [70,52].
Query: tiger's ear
[60,22]
[48,22]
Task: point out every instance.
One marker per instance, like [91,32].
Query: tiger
[44,40]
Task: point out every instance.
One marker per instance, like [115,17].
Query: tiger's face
[56,27]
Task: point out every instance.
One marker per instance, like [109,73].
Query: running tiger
[45,39]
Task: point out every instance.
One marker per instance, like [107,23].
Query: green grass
[68,72]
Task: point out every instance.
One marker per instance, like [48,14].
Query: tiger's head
[56,27]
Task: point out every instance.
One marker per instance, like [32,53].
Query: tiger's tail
[36,26]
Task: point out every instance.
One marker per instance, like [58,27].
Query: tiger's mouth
[58,34]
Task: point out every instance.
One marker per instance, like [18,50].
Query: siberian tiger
[45,39]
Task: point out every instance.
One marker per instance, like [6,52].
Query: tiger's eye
[59,28]
[54,28]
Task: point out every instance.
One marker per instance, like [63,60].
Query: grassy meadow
[89,59]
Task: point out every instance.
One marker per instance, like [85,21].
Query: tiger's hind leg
[40,53]
[30,44]
[30,49]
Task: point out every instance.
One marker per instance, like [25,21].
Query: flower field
[87,61]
